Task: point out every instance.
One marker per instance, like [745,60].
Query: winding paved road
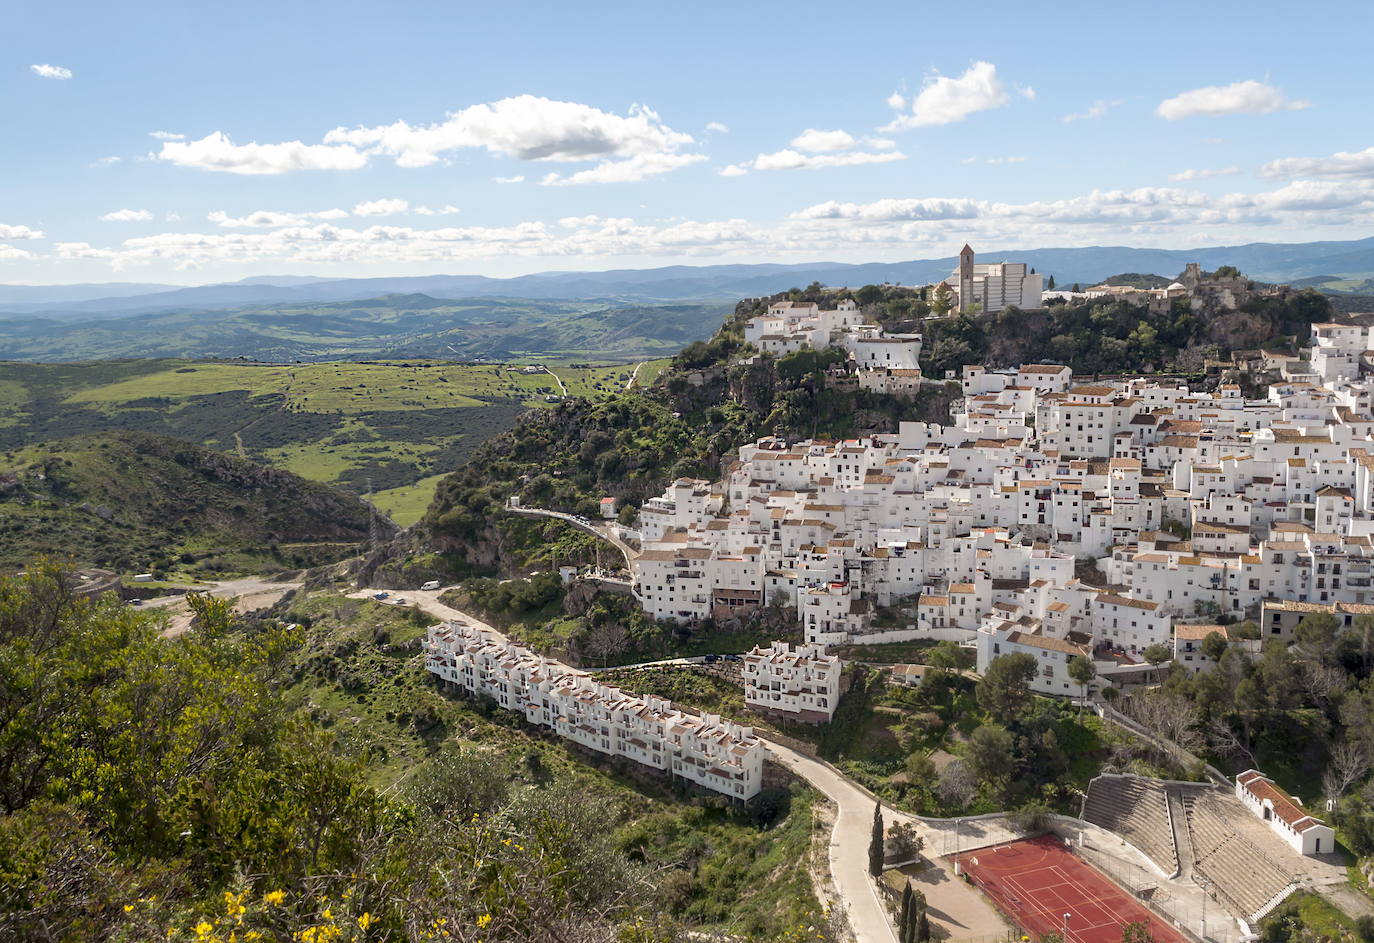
[600,529]
[848,844]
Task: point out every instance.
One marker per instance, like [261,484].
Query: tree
[875,842]
[903,841]
[913,923]
[904,913]
[1082,670]
[1004,692]
[1214,646]
[991,753]
[1050,285]
[1348,763]
[1316,636]
[1137,932]
[1157,654]
[957,784]
[457,784]
[1031,817]
[942,303]
[920,769]
[945,656]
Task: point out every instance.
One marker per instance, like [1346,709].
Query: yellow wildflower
[203,929]
[484,921]
[366,920]
[275,898]
[128,908]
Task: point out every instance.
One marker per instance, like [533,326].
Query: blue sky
[345,139]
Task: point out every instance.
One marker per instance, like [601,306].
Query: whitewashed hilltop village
[1054,516]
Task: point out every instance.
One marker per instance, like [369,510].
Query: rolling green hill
[386,428]
[134,501]
[394,326]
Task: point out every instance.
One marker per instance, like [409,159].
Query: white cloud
[166,136]
[105,161]
[1343,165]
[51,71]
[624,171]
[272,219]
[1203,173]
[8,231]
[1018,159]
[448,209]
[716,127]
[1248,97]
[518,178]
[173,216]
[216,152]
[945,100]
[13,253]
[789,159]
[1096,110]
[628,147]
[930,224]
[381,208]
[127,216]
[525,127]
[896,101]
[823,142]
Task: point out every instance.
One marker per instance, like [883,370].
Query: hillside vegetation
[255,779]
[134,501]
[390,427]
[393,326]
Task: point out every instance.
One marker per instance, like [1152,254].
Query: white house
[1307,834]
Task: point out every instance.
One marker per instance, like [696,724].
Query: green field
[390,429]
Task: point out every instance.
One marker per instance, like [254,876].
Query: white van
[432,584]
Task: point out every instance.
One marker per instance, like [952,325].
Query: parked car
[400,600]
[381,595]
[432,584]
[711,659]
[135,602]
[732,658]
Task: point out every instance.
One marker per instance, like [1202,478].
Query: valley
[389,430]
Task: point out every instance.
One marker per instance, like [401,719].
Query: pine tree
[1050,285]
[875,843]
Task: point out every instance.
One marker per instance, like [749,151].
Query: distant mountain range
[1331,264]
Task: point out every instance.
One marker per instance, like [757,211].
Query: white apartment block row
[803,683]
[706,750]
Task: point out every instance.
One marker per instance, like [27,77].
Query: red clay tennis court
[1036,881]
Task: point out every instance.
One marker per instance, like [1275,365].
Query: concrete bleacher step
[1178,825]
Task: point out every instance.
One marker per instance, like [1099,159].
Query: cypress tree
[904,920]
[918,929]
[875,843]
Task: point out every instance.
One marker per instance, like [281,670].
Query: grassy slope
[361,674]
[138,501]
[384,425]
